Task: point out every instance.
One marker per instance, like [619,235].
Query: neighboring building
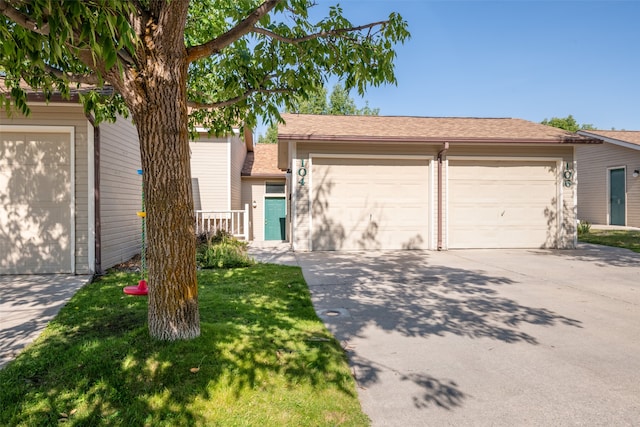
[216,164]
[69,191]
[375,182]
[264,190]
[609,175]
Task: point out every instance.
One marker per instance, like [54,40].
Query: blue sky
[530,59]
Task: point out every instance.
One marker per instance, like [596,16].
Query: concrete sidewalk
[27,304]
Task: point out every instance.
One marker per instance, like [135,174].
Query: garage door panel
[35,213]
[362,204]
[506,204]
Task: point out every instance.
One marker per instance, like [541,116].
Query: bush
[221,250]
[583,227]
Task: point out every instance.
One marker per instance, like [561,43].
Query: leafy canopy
[238,70]
[567,123]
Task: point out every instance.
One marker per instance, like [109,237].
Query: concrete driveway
[27,304]
[487,337]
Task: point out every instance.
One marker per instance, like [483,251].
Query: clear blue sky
[530,59]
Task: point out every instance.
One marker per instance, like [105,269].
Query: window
[274,188]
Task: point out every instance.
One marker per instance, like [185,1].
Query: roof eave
[614,141]
[435,140]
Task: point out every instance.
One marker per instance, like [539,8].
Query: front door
[275,214]
[617,199]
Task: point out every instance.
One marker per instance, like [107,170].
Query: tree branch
[89,79]
[321,34]
[21,19]
[244,27]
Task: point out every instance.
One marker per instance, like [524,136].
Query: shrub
[221,250]
[583,227]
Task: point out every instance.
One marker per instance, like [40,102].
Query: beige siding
[594,162]
[238,154]
[67,115]
[120,192]
[210,173]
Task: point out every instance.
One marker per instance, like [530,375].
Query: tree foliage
[567,123]
[338,103]
[178,63]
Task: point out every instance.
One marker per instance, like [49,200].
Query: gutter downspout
[96,195]
[441,153]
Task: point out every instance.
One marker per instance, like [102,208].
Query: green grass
[628,239]
[263,358]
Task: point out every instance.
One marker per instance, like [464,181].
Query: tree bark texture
[159,108]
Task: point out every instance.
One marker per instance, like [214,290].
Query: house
[609,190]
[264,189]
[69,190]
[374,182]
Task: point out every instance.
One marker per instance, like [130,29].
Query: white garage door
[369,204]
[502,204]
[35,203]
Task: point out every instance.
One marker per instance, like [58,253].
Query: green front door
[275,214]
[617,199]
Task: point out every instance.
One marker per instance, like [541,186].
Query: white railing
[234,222]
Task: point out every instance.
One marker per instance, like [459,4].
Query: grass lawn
[264,358]
[629,239]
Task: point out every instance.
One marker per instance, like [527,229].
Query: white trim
[310,202]
[433,220]
[91,199]
[609,169]
[293,191]
[610,140]
[228,173]
[575,199]
[445,205]
[560,231]
[506,158]
[372,156]
[72,171]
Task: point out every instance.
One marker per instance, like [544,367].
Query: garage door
[35,203]
[502,204]
[369,204]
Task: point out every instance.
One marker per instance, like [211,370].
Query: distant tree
[567,123]
[339,104]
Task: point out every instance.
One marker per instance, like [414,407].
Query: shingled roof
[422,129]
[262,162]
[615,136]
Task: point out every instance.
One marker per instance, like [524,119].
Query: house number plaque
[567,175]
[302,172]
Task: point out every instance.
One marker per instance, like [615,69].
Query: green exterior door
[275,214]
[617,199]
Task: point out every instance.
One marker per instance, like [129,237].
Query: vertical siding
[120,192]
[594,161]
[210,170]
[238,154]
[67,115]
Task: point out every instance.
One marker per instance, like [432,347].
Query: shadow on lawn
[97,365]
[407,293]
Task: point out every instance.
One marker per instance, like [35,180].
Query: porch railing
[234,222]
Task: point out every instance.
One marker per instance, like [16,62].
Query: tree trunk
[161,120]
